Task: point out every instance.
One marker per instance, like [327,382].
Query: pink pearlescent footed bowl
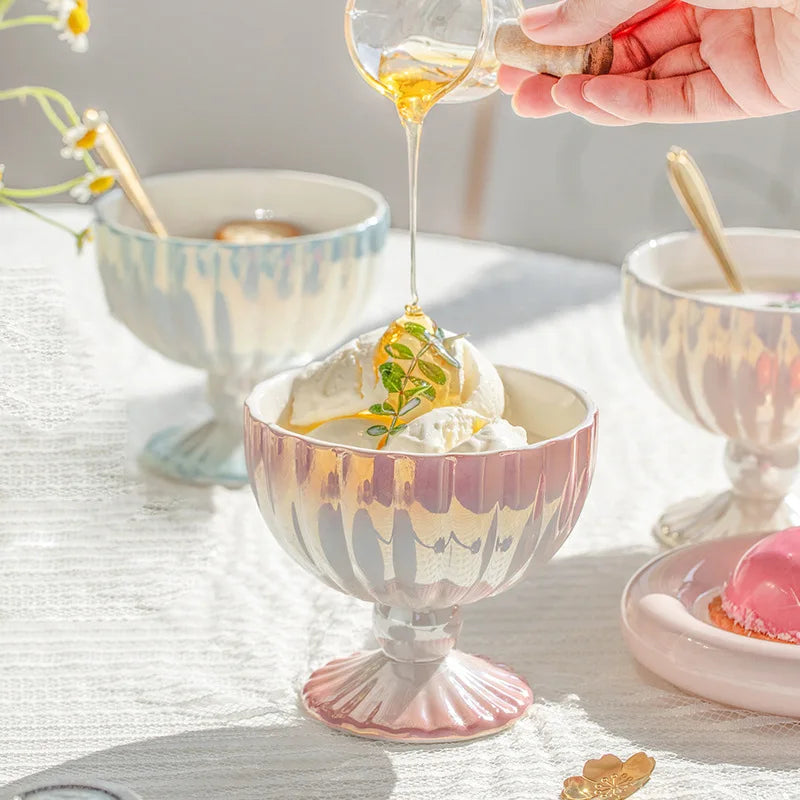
[732,369]
[419,536]
[763,594]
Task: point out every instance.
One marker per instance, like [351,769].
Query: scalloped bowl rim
[634,255]
[381,214]
[589,421]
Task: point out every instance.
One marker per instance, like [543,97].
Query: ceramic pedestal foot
[761,500]
[416,688]
[720,516]
[460,697]
[212,454]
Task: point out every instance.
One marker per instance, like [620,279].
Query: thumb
[574,22]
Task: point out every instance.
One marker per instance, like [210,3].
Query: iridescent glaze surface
[240,312]
[420,535]
[734,371]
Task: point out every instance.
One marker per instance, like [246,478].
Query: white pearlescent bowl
[240,312]
[419,536]
[734,371]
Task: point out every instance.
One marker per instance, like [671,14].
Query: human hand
[673,61]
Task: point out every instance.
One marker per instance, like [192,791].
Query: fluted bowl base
[703,519]
[458,698]
[209,455]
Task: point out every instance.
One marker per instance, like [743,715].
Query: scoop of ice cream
[484,392]
[330,401]
[497,435]
[342,385]
[453,429]
[345,383]
[763,594]
[442,430]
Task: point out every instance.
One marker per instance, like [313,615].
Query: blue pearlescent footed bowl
[240,312]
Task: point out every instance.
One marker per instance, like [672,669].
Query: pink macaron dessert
[762,597]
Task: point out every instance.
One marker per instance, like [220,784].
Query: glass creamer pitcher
[422,52]
[457,44]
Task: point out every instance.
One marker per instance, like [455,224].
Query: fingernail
[608,94]
[540,17]
[554,96]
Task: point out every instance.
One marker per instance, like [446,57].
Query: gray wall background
[268,83]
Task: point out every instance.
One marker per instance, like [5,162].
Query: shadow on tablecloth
[296,762]
[561,629]
[515,293]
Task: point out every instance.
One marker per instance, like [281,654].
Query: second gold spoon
[113,154]
[692,190]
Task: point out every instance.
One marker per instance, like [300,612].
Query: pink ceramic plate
[666,625]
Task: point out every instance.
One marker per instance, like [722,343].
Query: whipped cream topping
[330,400]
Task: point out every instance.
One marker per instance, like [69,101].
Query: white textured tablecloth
[156,636]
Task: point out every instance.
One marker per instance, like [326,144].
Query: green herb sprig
[411,389]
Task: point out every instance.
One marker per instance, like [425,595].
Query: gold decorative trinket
[608,778]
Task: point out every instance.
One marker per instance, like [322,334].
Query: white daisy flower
[93,183]
[73,22]
[80,138]
[2,171]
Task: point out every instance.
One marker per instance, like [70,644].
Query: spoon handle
[114,155]
[692,190]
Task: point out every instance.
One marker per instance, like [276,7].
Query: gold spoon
[113,154]
[692,190]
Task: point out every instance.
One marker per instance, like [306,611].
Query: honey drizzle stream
[416,76]
[413,134]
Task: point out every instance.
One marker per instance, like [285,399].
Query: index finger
[577,22]
[639,46]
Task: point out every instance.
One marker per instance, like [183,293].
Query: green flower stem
[43,97]
[55,223]
[51,115]
[38,92]
[33,19]
[44,191]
